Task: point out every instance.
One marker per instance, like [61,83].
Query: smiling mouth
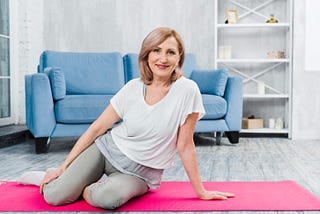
[160,66]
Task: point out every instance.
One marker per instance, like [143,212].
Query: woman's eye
[171,53]
[156,51]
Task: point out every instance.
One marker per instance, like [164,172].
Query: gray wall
[306,85]
[120,25]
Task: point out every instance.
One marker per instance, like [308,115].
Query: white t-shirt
[148,133]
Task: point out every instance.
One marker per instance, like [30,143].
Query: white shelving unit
[249,41]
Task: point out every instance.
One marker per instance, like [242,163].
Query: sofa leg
[42,144]
[218,138]
[233,137]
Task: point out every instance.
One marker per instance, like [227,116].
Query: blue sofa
[70,90]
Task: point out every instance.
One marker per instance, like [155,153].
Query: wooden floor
[253,159]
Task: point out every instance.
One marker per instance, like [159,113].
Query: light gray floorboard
[253,159]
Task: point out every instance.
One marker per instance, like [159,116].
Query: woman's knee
[67,188]
[113,201]
[52,196]
[115,192]
[56,196]
[107,199]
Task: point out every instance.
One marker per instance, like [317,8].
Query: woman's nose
[163,57]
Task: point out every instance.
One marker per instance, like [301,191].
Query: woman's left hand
[215,195]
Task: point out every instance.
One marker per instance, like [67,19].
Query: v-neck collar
[161,100]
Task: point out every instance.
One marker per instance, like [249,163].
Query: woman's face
[164,59]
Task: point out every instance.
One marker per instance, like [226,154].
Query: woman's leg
[87,168]
[116,190]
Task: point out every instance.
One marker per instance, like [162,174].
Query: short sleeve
[193,103]
[118,101]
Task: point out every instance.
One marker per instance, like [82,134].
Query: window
[5,78]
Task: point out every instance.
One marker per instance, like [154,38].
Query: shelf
[266,96]
[255,25]
[251,39]
[252,60]
[4,36]
[265,130]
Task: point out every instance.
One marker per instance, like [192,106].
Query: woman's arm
[187,152]
[97,128]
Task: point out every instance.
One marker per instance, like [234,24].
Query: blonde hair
[152,40]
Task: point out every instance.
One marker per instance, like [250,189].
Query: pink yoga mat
[178,196]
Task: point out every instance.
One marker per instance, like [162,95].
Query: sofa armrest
[234,97]
[40,117]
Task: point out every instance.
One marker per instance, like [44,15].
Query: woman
[159,112]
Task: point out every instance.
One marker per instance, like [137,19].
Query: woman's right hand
[49,176]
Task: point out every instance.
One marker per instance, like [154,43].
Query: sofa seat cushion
[215,106]
[80,108]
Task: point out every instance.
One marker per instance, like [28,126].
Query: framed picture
[232,16]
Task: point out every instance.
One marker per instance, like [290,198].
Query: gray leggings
[85,171]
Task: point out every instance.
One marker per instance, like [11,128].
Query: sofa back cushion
[189,64]
[131,66]
[211,81]
[87,73]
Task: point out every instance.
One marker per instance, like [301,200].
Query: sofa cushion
[80,108]
[87,73]
[57,81]
[210,81]
[131,66]
[215,106]
[189,64]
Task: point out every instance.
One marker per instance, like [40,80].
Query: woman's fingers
[215,195]
[49,176]
[222,195]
